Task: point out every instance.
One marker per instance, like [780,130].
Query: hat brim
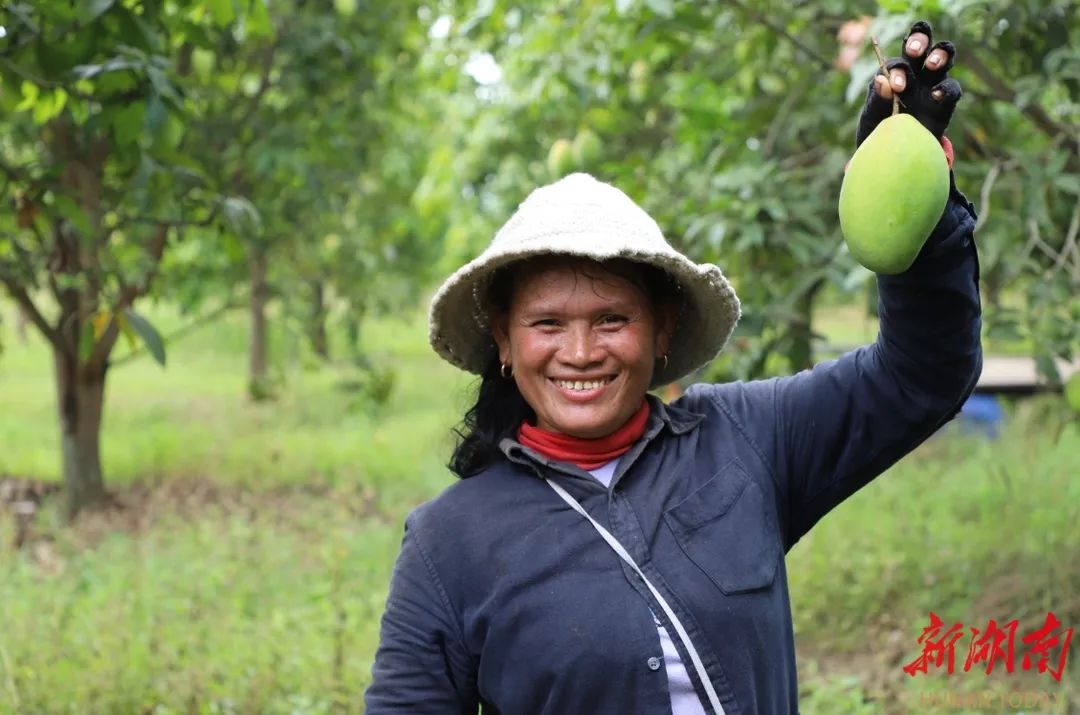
[460,333]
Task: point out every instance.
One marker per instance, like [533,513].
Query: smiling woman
[581,339]
[604,552]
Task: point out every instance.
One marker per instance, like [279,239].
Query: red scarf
[586,453]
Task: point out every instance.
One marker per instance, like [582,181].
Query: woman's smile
[582,389]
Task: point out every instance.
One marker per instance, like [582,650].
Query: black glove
[928,95]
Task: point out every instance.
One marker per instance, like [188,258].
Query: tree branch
[42,82]
[169,222]
[130,291]
[799,44]
[1070,239]
[984,194]
[188,327]
[1035,239]
[18,293]
[1034,112]
[780,118]
[23,256]
[264,85]
[96,363]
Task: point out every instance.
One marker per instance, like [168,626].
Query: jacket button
[653,663]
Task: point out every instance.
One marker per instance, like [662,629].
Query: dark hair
[500,408]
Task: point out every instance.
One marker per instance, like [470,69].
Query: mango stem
[885,71]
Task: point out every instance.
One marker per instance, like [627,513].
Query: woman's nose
[581,347]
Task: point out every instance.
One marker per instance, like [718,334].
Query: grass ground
[245,565]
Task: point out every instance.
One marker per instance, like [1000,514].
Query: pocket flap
[726,527]
[713,498]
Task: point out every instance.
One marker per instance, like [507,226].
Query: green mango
[893,194]
[560,158]
[587,148]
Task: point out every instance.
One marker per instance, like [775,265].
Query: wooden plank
[1017,374]
[1005,374]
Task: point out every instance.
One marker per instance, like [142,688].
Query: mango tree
[731,122]
[312,127]
[94,161]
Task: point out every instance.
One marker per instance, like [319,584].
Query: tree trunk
[80,398]
[353,317]
[352,334]
[21,322]
[317,320]
[801,350]
[258,387]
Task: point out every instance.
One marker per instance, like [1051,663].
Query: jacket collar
[675,419]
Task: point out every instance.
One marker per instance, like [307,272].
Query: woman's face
[583,343]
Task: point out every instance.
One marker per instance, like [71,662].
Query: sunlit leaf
[30,94]
[259,23]
[222,11]
[100,321]
[125,328]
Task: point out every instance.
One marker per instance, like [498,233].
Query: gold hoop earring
[506,371]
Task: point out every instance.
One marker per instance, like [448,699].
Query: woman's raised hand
[920,79]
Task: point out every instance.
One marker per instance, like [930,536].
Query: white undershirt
[684,701]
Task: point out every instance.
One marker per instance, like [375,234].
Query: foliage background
[260,194]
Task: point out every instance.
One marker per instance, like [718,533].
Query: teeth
[580,384]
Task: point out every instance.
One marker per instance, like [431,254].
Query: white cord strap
[695,659]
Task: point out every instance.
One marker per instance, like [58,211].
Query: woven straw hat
[580,216]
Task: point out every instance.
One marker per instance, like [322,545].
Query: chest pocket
[725,527]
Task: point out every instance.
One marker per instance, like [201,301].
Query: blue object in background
[982,414]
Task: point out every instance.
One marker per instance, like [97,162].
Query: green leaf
[127,330]
[148,334]
[1069,183]
[156,113]
[222,11]
[162,84]
[93,9]
[49,105]
[66,207]
[30,94]
[127,123]
[258,20]
[241,216]
[136,32]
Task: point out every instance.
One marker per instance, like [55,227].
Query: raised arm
[835,427]
[842,423]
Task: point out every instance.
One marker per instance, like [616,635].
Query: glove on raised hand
[920,78]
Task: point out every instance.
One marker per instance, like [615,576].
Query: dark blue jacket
[506,599]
